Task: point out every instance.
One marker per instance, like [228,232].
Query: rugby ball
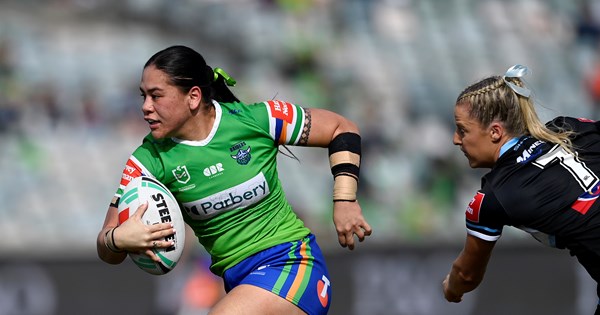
[162,208]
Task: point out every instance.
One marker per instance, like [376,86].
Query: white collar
[213,131]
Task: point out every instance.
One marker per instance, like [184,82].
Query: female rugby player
[544,178]
[269,260]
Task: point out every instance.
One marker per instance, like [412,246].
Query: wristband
[113,248]
[112,238]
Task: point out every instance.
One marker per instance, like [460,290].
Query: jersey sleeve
[284,121]
[485,217]
[140,163]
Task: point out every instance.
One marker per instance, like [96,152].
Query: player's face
[474,140]
[165,106]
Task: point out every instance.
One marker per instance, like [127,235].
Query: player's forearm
[462,281]
[105,253]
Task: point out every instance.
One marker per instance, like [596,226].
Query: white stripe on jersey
[271,120]
[483,236]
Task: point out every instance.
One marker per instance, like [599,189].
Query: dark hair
[186,68]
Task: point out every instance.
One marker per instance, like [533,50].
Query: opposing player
[217,155]
[543,179]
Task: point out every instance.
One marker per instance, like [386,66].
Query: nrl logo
[242,156]
[181,174]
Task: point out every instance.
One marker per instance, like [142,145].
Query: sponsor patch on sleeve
[472,212]
[131,171]
[282,110]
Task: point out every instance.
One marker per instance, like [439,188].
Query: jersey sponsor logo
[213,170]
[242,156]
[282,110]
[241,196]
[474,206]
[586,200]
[181,174]
[322,289]
[131,171]
[531,153]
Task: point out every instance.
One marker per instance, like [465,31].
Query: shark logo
[243,156]
[181,174]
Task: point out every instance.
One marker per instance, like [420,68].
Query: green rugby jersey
[227,185]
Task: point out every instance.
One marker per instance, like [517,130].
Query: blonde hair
[492,99]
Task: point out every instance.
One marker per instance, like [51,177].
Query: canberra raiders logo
[242,156]
[181,174]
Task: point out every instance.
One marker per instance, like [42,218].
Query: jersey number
[584,176]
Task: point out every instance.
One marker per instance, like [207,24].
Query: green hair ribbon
[228,79]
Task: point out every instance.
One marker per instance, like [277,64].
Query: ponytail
[220,87]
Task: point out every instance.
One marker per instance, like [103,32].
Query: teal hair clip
[228,79]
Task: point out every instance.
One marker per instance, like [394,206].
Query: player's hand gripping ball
[162,208]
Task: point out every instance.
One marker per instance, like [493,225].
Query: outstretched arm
[341,136]
[468,269]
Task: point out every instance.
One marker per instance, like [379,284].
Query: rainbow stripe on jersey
[286,121]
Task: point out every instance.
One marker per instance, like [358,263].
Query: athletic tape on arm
[344,159]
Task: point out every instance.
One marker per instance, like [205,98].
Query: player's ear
[496,131]
[194,97]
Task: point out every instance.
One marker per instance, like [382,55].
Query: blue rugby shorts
[295,271]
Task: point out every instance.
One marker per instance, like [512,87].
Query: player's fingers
[156,244]
[350,240]
[162,244]
[162,233]
[161,227]
[342,239]
[141,210]
[367,228]
[152,255]
[362,230]
[359,233]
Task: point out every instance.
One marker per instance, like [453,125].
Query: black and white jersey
[543,189]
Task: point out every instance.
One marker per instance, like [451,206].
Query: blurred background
[70,116]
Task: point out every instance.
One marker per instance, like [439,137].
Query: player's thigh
[249,300]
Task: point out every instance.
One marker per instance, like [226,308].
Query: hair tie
[228,79]
[517,71]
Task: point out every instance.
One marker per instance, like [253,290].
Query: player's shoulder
[577,125]
[151,144]
[272,106]
[234,107]
[240,110]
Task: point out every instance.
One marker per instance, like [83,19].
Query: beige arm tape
[344,188]
[345,185]
[344,157]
